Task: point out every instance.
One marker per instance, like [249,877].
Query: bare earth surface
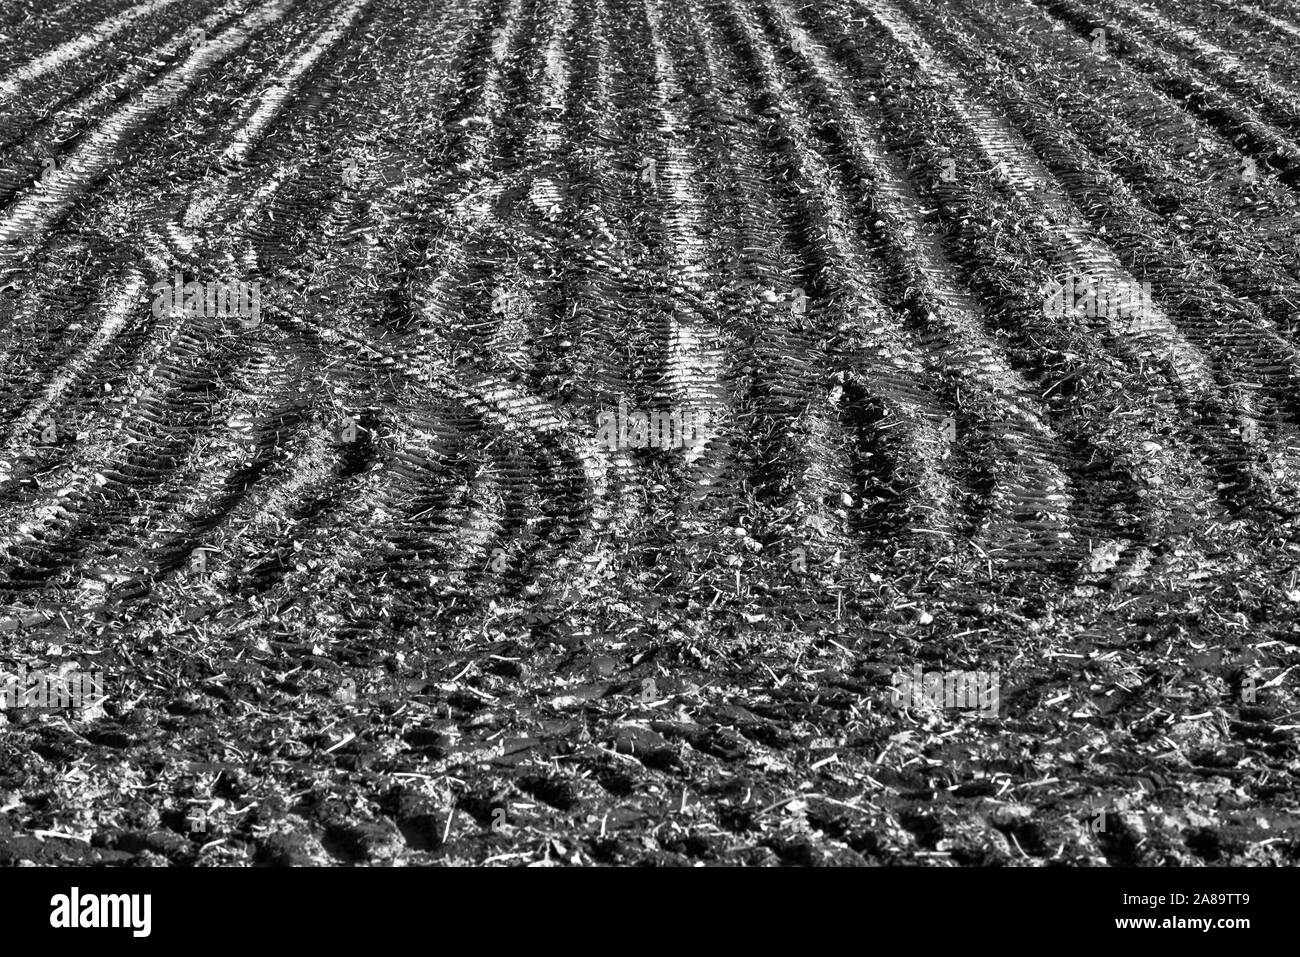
[365,588]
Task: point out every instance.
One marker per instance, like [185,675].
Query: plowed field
[967,335]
